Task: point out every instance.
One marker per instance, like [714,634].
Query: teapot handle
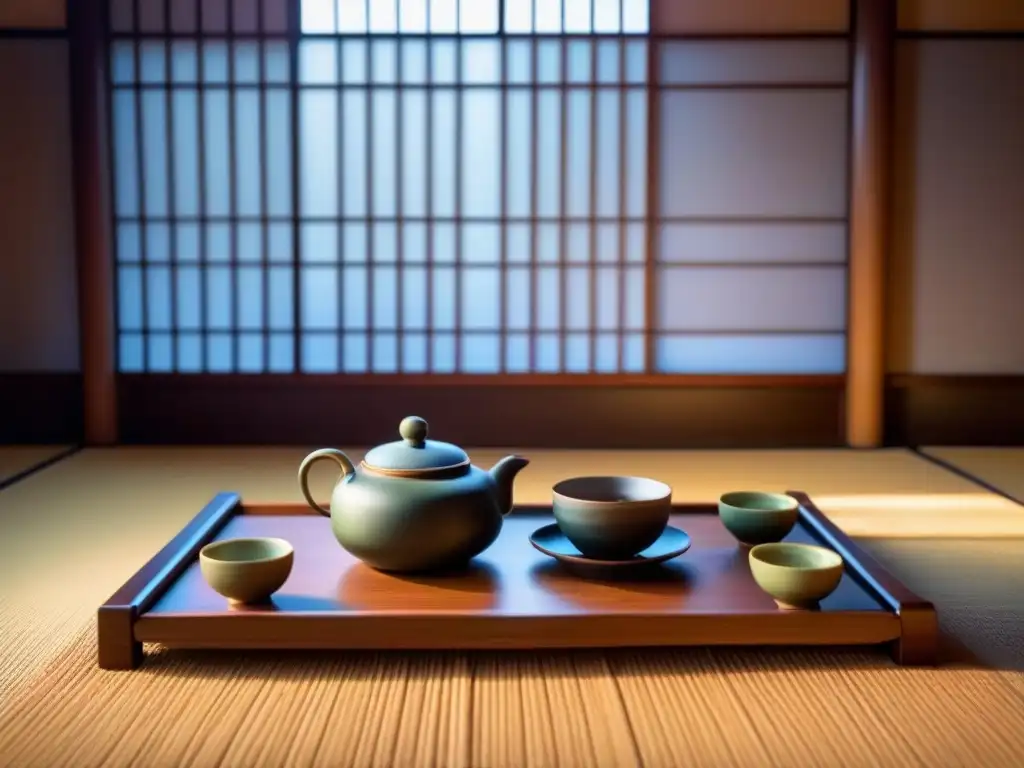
[338,457]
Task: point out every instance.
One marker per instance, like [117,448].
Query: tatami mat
[74,532]
[1001,468]
[587,710]
[15,459]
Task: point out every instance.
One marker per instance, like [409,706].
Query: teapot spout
[504,474]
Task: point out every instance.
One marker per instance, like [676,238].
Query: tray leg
[918,645]
[117,647]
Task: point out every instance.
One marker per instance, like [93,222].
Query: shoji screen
[445,186]
[395,186]
[472,186]
[202,123]
[751,242]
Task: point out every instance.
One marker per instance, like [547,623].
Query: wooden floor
[73,532]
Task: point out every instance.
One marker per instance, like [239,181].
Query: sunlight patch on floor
[924,515]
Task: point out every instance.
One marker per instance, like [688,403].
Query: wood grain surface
[511,596]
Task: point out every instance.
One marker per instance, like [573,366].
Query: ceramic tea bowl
[755,517]
[796,575]
[611,518]
[247,570]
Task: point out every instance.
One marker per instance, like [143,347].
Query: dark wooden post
[873,26]
[87,40]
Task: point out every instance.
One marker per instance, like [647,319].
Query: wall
[33,14]
[958,234]
[38,307]
[958,253]
[40,399]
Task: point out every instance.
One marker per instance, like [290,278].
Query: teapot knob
[413,430]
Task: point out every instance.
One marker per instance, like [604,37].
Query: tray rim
[119,648]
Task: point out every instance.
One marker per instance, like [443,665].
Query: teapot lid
[414,454]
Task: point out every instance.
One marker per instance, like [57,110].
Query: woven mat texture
[74,532]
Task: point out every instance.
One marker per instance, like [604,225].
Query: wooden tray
[512,597]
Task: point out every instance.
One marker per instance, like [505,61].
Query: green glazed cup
[247,570]
[796,575]
[756,517]
[612,518]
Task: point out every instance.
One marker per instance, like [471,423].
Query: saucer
[550,540]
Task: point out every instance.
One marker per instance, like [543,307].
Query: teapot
[415,504]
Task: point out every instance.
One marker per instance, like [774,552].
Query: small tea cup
[247,570]
[756,517]
[612,517]
[796,575]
